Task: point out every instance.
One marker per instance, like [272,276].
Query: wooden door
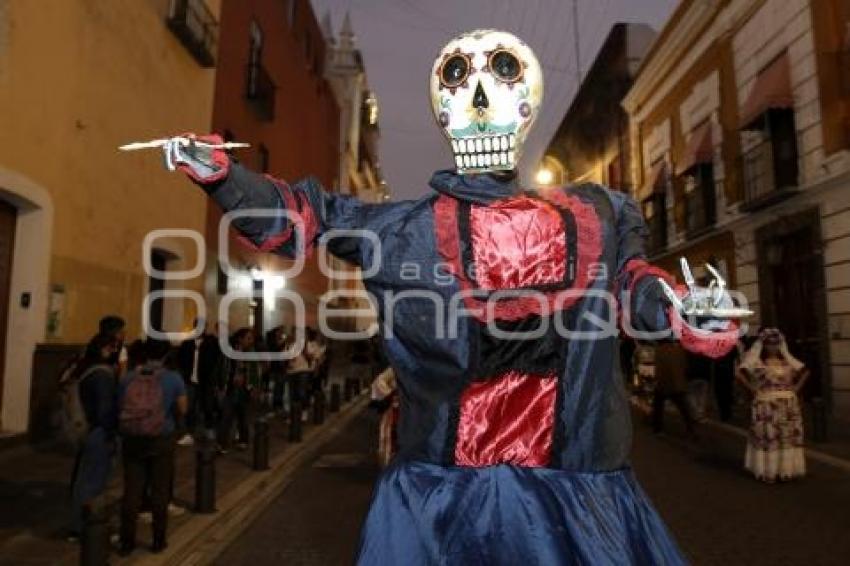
[796,293]
[8,215]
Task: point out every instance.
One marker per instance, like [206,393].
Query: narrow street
[719,515]
[316,520]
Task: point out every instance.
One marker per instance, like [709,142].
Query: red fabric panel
[507,420]
[589,247]
[518,243]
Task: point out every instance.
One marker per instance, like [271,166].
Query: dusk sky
[400,38]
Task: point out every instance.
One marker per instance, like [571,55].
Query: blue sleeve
[320,210]
[178,386]
[646,300]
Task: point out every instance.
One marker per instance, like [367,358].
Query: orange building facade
[271,93]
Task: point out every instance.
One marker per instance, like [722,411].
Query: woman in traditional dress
[774,377]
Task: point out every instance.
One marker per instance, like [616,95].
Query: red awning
[772,90]
[700,149]
[656,181]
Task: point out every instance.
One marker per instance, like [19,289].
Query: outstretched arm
[298,214]
[649,303]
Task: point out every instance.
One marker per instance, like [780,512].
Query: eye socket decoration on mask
[455,71]
[505,66]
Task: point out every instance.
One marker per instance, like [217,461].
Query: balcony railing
[769,175]
[194,25]
[260,91]
[700,207]
[656,223]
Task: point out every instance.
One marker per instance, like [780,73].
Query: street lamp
[545,176]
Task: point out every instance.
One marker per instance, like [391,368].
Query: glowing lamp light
[545,176]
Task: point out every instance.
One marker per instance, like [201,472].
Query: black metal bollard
[335,398]
[261,444]
[348,390]
[319,407]
[295,433]
[94,540]
[205,456]
[819,429]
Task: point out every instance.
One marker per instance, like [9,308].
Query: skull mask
[486,91]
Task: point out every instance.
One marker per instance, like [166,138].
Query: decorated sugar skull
[486,91]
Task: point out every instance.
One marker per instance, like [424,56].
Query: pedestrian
[724,380]
[242,382]
[115,327]
[628,346]
[774,377]
[187,362]
[275,343]
[698,369]
[384,399]
[96,391]
[135,355]
[670,385]
[299,377]
[212,378]
[150,400]
[315,350]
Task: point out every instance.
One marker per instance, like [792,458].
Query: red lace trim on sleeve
[294,201]
[713,344]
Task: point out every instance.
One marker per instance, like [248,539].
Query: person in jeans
[97,399]
[188,363]
[242,384]
[670,385]
[148,446]
[115,327]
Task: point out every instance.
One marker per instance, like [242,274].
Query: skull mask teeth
[486,90]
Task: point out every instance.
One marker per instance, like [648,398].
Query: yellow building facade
[78,78]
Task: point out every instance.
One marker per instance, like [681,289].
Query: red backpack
[142,413]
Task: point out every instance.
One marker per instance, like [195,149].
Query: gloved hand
[712,306]
[202,157]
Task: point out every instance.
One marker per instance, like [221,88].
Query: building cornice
[676,39]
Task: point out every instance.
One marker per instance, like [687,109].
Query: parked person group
[147,397]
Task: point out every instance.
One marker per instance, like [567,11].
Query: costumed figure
[514,429]
[384,396]
[774,377]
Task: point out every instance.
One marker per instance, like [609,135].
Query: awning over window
[656,181]
[772,90]
[700,149]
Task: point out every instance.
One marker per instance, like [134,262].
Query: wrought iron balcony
[655,212]
[260,91]
[194,25]
[700,205]
[770,175]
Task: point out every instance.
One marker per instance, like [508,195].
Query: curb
[812,453]
[205,537]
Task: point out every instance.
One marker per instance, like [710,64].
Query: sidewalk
[35,506]
[835,452]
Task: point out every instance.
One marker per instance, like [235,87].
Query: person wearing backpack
[150,400]
[91,391]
